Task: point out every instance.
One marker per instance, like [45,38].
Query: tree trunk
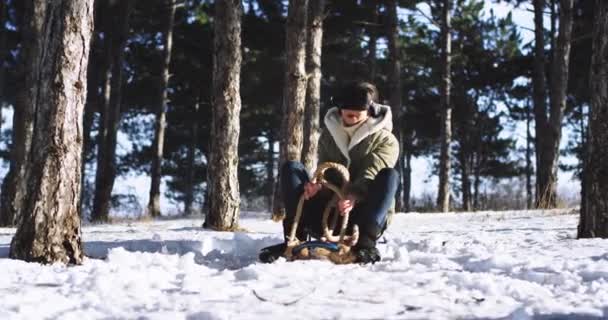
[594,210]
[559,84]
[161,117]
[548,131]
[552,35]
[464,155]
[294,93]
[407,181]
[14,183]
[116,39]
[94,77]
[225,128]
[540,109]
[3,52]
[443,194]
[477,180]
[394,82]
[312,106]
[529,169]
[49,230]
[270,170]
[189,198]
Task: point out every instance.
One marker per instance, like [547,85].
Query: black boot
[365,255]
[365,250]
[272,253]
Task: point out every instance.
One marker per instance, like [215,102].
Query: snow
[484,265]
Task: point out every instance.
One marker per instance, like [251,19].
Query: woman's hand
[346,205]
[311,189]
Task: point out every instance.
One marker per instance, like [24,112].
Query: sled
[335,248]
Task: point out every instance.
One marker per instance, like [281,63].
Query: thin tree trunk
[313,89]
[467,139]
[553,37]
[270,170]
[407,181]
[3,52]
[189,198]
[14,183]
[464,172]
[477,180]
[225,128]
[559,85]
[101,197]
[161,116]
[49,230]
[105,175]
[443,194]
[529,169]
[94,77]
[294,93]
[540,108]
[594,210]
[394,82]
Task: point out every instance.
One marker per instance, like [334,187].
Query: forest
[206,99]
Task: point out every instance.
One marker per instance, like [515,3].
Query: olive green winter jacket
[372,148]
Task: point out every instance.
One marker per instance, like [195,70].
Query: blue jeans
[369,214]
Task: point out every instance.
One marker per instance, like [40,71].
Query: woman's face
[353,117]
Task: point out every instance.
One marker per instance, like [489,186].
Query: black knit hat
[356,96]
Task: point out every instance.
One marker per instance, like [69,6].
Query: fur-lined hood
[380,118]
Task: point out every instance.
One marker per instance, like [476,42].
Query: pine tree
[443,195]
[294,92]
[14,183]
[223,183]
[594,210]
[548,129]
[49,227]
[312,105]
[161,113]
[116,34]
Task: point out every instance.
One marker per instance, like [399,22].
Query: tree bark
[116,40]
[14,183]
[294,93]
[312,106]
[161,115]
[594,209]
[394,83]
[270,170]
[94,77]
[3,52]
[559,84]
[477,180]
[49,230]
[225,128]
[464,155]
[540,107]
[443,194]
[407,182]
[552,35]
[529,168]
[189,198]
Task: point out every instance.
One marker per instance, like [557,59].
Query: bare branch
[427,17]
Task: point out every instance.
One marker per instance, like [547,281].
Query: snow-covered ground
[485,265]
